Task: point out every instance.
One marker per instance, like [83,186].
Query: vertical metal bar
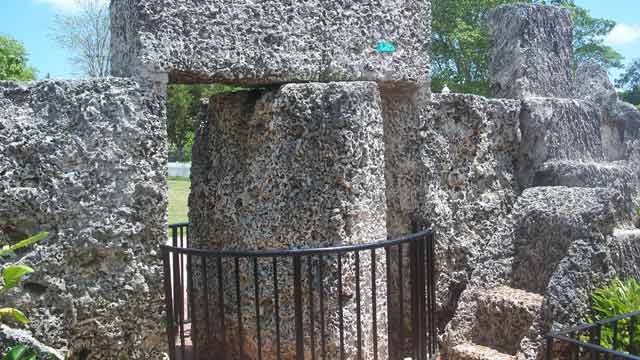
[205,284]
[358,307]
[190,306]
[297,293]
[401,302]
[311,307]
[615,342]
[387,252]
[549,349]
[223,337]
[634,347]
[323,335]
[239,307]
[340,308]
[169,304]
[415,311]
[256,292]
[277,305]
[431,272]
[374,304]
[427,344]
[178,293]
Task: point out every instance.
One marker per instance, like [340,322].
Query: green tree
[14,61]
[461,41]
[630,82]
[183,110]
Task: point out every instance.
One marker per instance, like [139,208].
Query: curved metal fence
[372,301]
[615,338]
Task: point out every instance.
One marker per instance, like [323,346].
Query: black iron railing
[328,303]
[615,338]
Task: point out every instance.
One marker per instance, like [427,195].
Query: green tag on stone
[385,47]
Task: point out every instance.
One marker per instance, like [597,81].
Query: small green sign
[384,46]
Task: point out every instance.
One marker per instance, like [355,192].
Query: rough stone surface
[557,129]
[504,316]
[467,182]
[300,166]
[628,118]
[12,337]
[621,176]
[274,41]
[531,53]
[559,247]
[592,84]
[86,160]
[470,351]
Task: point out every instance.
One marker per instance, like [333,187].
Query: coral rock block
[272,41]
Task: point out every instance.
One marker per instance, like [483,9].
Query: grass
[179,189]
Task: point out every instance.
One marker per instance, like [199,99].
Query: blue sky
[30,21]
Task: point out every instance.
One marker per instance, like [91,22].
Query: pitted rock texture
[628,116]
[86,160]
[550,219]
[470,351]
[467,182]
[12,337]
[531,53]
[301,166]
[592,84]
[561,246]
[504,316]
[272,42]
[557,129]
[621,176]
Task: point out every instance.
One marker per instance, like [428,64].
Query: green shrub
[12,274]
[20,352]
[619,298]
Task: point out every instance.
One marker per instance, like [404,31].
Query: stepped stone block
[592,84]
[557,129]
[626,252]
[300,166]
[86,160]
[621,176]
[273,41]
[504,316]
[469,351]
[531,53]
[549,220]
[466,147]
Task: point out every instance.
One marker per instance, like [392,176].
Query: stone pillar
[300,166]
[86,161]
[531,52]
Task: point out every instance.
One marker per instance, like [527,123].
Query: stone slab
[557,129]
[86,160]
[272,41]
[531,52]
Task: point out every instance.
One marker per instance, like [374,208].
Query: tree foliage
[14,61]
[630,82]
[461,41]
[183,111]
[86,35]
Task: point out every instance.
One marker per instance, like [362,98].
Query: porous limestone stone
[531,52]
[300,166]
[467,185]
[86,161]
[592,84]
[621,176]
[557,129]
[273,41]
[13,337]
[560,247]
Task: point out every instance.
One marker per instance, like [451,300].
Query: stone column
[531,53]
[301,166]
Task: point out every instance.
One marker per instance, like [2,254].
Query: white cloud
[624,34]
